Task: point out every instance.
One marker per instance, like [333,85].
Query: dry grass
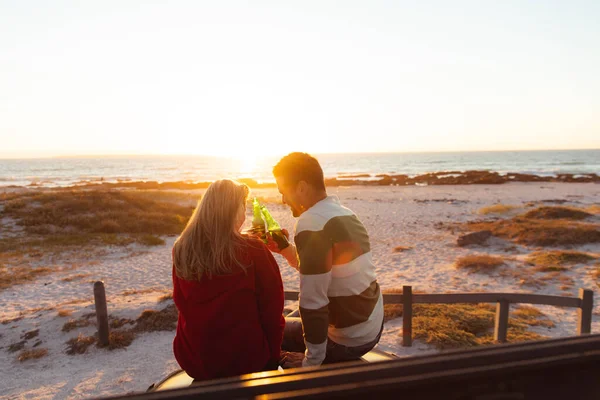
[392,311]
[166,297]
[400,249]
[544,226]
[152,320]
[32,354]
[150,240]
[141,291]
[479,263]
[30,334]
[116,323]
[496,209]
[54,220]
[79,345]
[547,261]
[531,316]
[120,339]
[11,320]
[76,323]
[64,313]
[465,325]
[540,232]
[74,277]
[99,211]
[20,274]
[557,212]
[593,209]
[16,346]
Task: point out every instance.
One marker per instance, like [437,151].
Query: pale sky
[232,78]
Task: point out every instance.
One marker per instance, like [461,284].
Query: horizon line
[117,155]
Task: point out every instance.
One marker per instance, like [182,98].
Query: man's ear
[302,188]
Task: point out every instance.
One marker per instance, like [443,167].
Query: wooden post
[101,313]
[501,323]
[584,313]
[407,316]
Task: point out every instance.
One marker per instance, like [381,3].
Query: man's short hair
[296,167]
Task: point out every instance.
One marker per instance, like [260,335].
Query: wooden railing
[584,304]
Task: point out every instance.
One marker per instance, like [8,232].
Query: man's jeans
[293,340]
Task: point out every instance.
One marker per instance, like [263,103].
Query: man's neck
[316,198]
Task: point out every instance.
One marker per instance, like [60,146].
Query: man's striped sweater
[339,294]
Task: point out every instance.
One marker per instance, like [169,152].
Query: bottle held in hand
[274,229]
[258,223]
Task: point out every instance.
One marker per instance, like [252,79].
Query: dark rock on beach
[473,238]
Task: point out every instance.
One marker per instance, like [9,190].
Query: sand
[394,216]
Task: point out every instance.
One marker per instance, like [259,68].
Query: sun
[248,163]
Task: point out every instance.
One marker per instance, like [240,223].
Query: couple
[228,289]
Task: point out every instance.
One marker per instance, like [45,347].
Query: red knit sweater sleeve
[269,288]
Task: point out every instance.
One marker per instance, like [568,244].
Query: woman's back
[230,324]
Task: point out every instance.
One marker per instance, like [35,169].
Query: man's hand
[272,245]
[291,359]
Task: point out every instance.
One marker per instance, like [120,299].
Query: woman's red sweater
[231,324]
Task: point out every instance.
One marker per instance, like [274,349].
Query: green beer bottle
[274,229]
[258,223]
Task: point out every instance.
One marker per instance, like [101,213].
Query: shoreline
[471,177]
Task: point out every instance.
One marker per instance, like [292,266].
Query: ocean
[56,172]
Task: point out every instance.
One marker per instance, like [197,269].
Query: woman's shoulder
[254,245]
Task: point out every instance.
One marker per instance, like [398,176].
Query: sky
[233,78]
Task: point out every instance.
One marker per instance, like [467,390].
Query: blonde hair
[209,244]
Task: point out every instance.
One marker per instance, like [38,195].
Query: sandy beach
[418,218]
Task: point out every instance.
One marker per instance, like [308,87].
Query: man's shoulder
[315,218]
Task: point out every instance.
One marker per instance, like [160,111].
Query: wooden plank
[501,322]
[101,313]
[291,295]
[584,314]
[407,316]
[521,298]
[454,298]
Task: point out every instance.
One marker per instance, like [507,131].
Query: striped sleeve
[315,255]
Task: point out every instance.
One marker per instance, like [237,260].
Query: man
[341,307]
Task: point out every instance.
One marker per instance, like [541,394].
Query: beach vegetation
[75,217]
[30,334]
[449,326]
[400,249]
[479,263]
[14,347]
[32,354]
[117,323]
[166,297]
[152,320]
[64,313]
[19,274]
[539,232]
[79,344]
[132,292]
[119,339]
[556,212]
[557,260]
[76,323]
[74,277]
[497,209]
[151,240]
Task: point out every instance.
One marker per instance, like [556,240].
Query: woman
[228,290]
